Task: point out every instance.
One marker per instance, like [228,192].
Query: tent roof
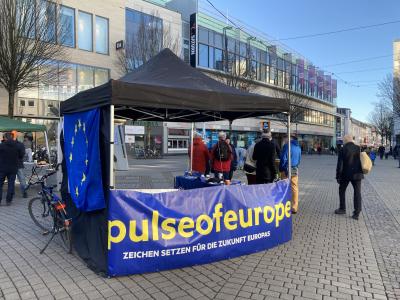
[7,124]
[166,88]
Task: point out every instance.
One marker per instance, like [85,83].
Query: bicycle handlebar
[44,177]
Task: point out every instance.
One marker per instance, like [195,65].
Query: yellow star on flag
[70,157]
[83,178]
[86,161]
[79,124]
[84,127]
[72,142]
[76,129]
[77,192]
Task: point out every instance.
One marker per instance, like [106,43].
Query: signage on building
[265,125]
[193,42]
[119,45]
[129,139]
[130,129]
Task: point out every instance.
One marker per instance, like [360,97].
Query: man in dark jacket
[10,153]
[20,173]
[349,170]
[264,154]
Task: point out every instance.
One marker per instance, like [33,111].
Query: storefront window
[48,16]
[85,35]
[67,23]
[85,78]
[203,55]
[101,35]
[100,76]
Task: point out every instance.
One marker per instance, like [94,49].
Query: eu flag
[81,151]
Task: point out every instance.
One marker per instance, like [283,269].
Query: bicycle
[48,213]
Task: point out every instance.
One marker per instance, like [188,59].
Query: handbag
[366,163]
[249,169]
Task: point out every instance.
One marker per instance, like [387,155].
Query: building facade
[396,74]
[99,33]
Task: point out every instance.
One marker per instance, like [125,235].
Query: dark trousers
[225,175]
[357,194]
[11,185]
[251,179]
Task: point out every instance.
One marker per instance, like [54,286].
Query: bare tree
[382,119]
[389,93]
[148,39]
[298,105]
[31,38]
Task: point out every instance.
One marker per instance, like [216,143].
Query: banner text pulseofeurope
[152,232]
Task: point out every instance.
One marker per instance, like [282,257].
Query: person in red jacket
[221,157]
[201,157]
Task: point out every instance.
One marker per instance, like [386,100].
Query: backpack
[222,151]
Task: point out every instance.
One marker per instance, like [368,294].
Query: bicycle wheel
[64,232]
[41,213]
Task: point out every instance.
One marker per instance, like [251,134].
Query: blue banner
[153,232]
[81,150]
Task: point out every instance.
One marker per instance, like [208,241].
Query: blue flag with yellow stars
[82,154]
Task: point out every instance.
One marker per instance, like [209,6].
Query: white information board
[131,129]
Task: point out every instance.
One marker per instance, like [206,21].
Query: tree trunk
[11,99]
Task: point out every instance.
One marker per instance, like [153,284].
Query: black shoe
[340,211]
[355,216]
[25,195]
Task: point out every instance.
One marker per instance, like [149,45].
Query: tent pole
[289,149]
[191,149]
[111,146]
[47,145]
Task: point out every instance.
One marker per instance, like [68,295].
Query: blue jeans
[21,179]
[11,185]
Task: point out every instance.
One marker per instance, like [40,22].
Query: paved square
[330,256]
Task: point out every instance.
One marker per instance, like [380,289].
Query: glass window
[203,55]
[218,40]
[22,103]
[67,85]
[67,26]
[101,35]
[48,18]
[243,49]
[85,35]
[231,45]
[219,63]
[211,37]
[31,103]
[203,35]
[85,78]
[100,76]
[211,57]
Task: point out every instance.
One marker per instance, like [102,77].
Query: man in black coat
[349,170]
[10,154]
[264,154]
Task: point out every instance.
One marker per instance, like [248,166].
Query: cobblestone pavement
[329,257]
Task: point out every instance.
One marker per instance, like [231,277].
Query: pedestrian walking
[381,151]
[234,161]
[319,150]
[221,156]
[250,165]
[395,151]
[295,158]
[10,153]
[264,155]
[349,170]
[201,156]
[20,172]
[387,152]
[241,154]
[372,156]
[332,150]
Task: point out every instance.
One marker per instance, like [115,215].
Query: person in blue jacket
[284,169]
[372,156]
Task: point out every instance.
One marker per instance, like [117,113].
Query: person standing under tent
[10,153]
[28,147]
[250,165]
[20,172]
[201,156]
[221,157]
[295,158]
[264,155]
[348,170]
[234,161]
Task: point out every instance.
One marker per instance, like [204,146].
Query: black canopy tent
[163,89]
